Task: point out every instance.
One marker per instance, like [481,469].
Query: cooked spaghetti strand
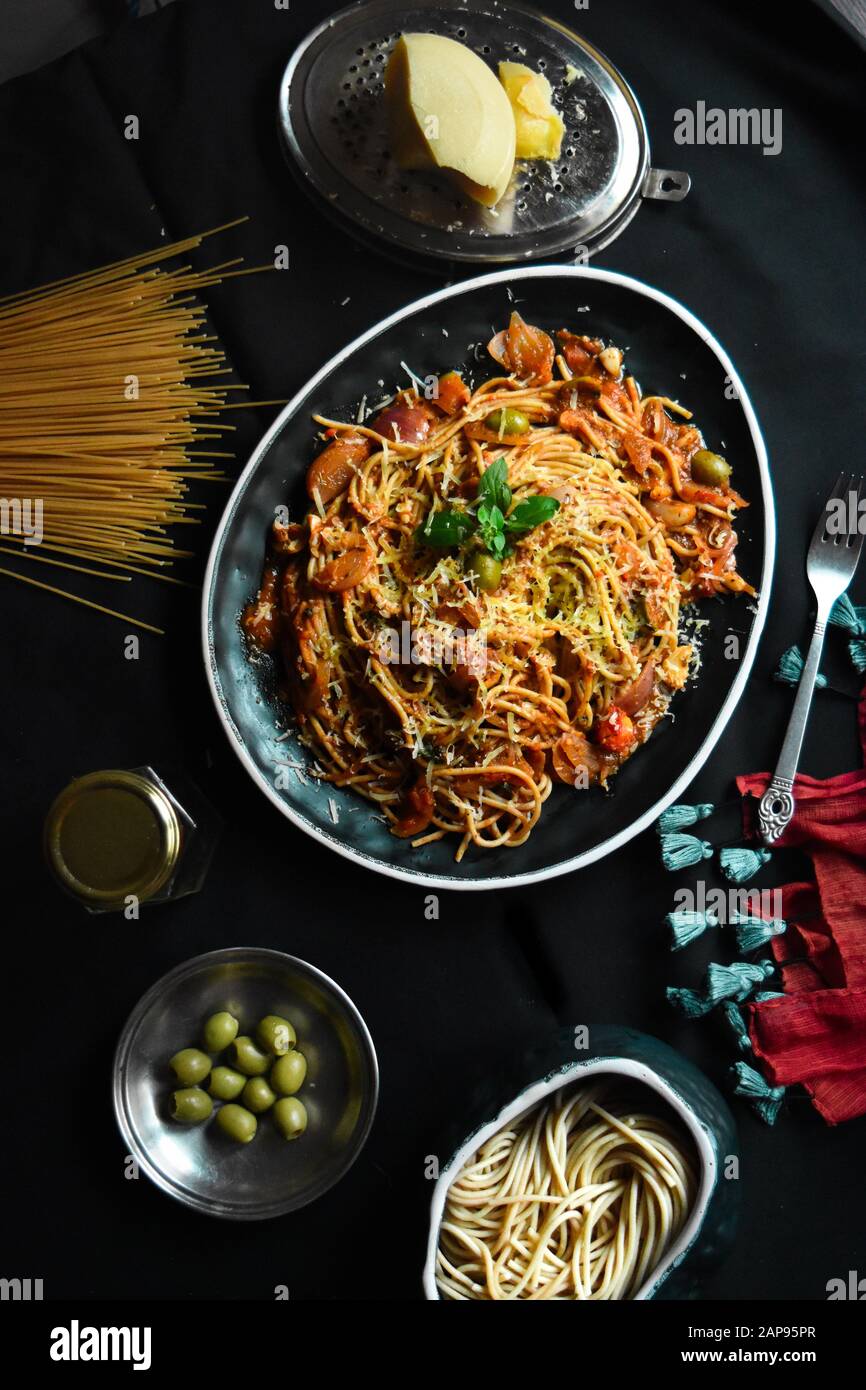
[580,1198]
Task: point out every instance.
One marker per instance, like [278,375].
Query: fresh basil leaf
[492,528]
[531,512]
[493,486]
[445,529]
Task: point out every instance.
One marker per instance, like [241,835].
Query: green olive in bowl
[290,1116]
[220,1030]
[190,1066]
[276,1034]
[237,1123]
[226,1083]
[191,1106]
[289,1073]
[248,1058]
[257,1095]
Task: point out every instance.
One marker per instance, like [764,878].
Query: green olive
[276,1034]
[288,1073]
[239,1124]
[291,1117]
[248,1058]
[507,421]
[220,1030]
[190,1066]
[257,1095]
[710,469]
[226,1084]
[489,571]
[190,1106]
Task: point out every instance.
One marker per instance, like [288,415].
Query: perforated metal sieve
[333,121]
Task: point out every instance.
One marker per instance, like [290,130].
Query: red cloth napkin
[815,1036]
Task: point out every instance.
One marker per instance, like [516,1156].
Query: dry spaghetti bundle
[581,1198]
[111,397]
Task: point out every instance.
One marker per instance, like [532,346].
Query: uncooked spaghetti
[110,404]
[486,593]
[581,1198]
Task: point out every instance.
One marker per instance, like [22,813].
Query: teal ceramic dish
[679,1089]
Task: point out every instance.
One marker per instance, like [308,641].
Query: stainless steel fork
[830,567]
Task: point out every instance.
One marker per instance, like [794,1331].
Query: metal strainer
[333,121]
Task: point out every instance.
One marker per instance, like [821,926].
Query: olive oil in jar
[116,839]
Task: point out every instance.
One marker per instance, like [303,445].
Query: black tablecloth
[768,252]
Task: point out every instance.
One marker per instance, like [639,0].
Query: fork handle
[776,806]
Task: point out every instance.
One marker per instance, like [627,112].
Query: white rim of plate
[539,1091]
[409,874]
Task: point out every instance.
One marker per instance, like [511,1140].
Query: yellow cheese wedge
[539,127]
[447,111]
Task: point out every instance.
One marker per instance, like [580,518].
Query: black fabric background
[768,251]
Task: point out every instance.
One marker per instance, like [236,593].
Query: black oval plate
[664,342]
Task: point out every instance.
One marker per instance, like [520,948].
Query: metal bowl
[199,1165]
[333,122]
[669,350]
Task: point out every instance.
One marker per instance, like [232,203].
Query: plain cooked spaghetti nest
[584,623]
[580,1198]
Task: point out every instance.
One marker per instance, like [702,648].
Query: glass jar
[117,839]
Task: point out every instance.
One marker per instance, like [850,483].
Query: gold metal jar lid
[111,835]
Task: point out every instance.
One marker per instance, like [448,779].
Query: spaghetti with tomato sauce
[555,519]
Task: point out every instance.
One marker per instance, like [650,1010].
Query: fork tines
[840,522]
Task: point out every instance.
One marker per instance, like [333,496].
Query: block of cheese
[447,111]
[539,127]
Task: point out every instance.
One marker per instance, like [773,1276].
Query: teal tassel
[723,982]
[764,994]
[857,653]
[688,926]
[767,1100]
[739,865]
[790,669]
[737,1026]
[736,981]
[853,621]
[754,932]
[688,1002]
[843,614]
[681,851]
[679,817]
